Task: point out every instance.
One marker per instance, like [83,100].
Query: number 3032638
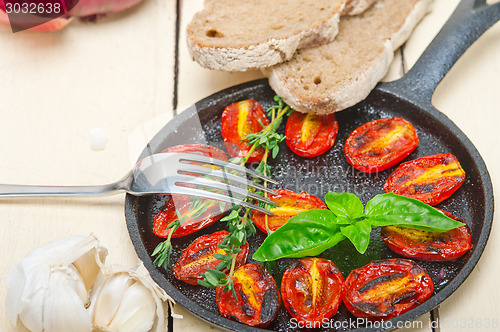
[33,8]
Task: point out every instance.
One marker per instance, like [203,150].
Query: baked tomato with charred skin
[311,289]
[430,179]
[199,256]
[380,144]
[182,203]
[309,135]
[386,288]
[288,204]
[428,246]
[238,120]
[258,298]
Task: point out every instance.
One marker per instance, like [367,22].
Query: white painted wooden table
[120,73]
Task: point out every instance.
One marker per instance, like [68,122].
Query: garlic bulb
[127,300]
[48,289]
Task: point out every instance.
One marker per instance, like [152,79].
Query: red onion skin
[93,7]
[82,9]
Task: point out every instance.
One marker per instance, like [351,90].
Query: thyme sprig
[164,249]
[239,222]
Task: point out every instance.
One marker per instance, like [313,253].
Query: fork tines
[223,178]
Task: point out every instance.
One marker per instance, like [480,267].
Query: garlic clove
[63,308]
[89,265]
[142,300]
[137,310]
[32,315]
[109,297]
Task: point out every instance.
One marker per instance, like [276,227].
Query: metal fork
[168,173]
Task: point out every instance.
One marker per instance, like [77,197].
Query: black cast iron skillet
[410,98]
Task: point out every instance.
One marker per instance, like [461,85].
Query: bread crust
[264,54]
[356,7]
[340,97]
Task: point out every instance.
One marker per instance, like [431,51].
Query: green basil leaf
[358,234]
[345,205]
[391,209]
[308,233]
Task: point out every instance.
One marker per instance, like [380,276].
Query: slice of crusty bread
[356,7]
[237,35]
[338,75]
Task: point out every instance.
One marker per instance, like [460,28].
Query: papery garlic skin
[127,301]
[47,292]
[64,308]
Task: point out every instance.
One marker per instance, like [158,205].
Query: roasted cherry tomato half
[199,149]
[167,215]
[312,290]
[310,135]
[238,120]
[428,246]
[380,144]
[288,204]
[199,256]
[430,179]
[258,297]
[386,288]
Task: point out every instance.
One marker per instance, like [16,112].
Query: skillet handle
[468,22]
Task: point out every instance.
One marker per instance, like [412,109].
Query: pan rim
[226,324]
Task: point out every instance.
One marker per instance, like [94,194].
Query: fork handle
[12,190]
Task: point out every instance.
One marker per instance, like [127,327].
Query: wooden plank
[468,95]
[115,74]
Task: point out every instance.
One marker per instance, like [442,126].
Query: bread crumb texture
[340,74]
[356,7]
[245,34]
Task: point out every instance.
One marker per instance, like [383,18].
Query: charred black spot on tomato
[382,125]
[372,308]
[375,282]
[271,298]
[359,141]
[246,307]
[405,297]
[425,188]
